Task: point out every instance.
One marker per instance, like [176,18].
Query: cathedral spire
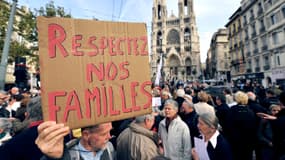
[185,7]
[159,9]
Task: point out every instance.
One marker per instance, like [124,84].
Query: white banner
[158,75]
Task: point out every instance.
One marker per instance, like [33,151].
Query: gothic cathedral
[176,40]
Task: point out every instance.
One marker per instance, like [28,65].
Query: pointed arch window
[173,37]
[186,35]
[188,66]
[159,11]
[159,38]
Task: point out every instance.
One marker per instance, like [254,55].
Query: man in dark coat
[190,117]
[222,109]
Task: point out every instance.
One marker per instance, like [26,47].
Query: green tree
[26,28]
[51,10]
[27,25]
[18,50]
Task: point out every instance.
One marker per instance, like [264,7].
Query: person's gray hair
[34,109]
[189,104]
[171,102]
[251,96]
[210,119]
[5,124]
[141,119]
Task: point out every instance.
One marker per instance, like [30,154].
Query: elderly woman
[174,133]
[5,128]
[202,106]
[241,128]
[217,146]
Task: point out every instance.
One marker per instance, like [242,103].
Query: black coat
[241,131]
[222,150]
[221,113]
[22,146]
[191,120]
[278,128]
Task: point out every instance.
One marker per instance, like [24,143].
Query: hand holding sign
[50,138]
[90,76]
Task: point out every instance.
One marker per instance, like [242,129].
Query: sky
[210,14]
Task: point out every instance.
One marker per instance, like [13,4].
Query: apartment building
[219,58]
[260,33]
[274,18]
[236,45]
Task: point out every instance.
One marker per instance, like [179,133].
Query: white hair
[251,96]
[141,119]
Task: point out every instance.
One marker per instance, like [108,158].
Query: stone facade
[260,33]
[218,56]
[176,38]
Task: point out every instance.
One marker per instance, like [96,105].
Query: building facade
[236,45]
[274,62]
[258,26]
[176,40]
[255,41]
[219,58]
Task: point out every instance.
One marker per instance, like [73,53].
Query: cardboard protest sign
[93,71]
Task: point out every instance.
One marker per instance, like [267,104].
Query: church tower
[176,38]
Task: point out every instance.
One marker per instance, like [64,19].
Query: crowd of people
[189,123]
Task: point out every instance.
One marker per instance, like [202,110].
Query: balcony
[255,51]
[251,18]
[257,69]
[235,62]
[240,44]
[234,31]
[239,28]
[248,70]
[264,48]
[244,23]
[248,54]
[259,12]
[262,29]
[266,67]
[253,35]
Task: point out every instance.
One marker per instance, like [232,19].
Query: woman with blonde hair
[241,128]
[202,106]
